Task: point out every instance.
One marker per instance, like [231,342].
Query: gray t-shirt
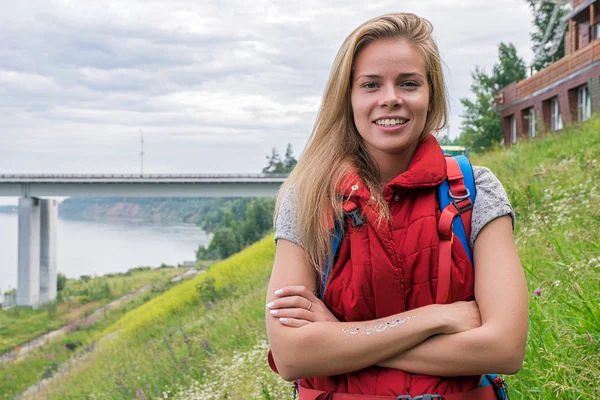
[491,202]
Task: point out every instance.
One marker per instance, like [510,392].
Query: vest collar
[427,168]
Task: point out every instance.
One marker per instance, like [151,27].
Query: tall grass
[554,185]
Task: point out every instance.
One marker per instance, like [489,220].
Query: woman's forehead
[389,56]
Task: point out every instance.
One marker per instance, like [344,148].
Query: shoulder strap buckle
[456,200]
[357,220]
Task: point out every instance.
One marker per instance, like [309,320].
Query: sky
[212,85]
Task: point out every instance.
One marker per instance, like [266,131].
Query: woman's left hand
[297,306]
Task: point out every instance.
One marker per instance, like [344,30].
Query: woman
[379,330]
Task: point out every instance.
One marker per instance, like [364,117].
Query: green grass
[205,338]
[554,185]
[79,298]
[17,376]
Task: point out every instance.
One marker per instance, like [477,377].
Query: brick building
[566,91]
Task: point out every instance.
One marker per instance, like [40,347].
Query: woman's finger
[293,322]
[289,302]
[296,290]
[296,313]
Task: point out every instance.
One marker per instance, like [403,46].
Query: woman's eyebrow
[410,75]
[402,75]
[369,76]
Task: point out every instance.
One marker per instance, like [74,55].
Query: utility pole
[142,154]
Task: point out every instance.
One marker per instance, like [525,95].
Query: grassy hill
[205,339]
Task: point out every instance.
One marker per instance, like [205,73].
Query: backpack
[456,196]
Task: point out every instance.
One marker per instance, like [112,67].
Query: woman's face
[390,97]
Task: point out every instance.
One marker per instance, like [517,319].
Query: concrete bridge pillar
[48,221]
[37,251]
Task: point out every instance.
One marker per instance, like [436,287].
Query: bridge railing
[138,176]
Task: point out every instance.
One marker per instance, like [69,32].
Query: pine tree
[289,162]
[548,36]
[274,164]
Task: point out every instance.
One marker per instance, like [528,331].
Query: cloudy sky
[213,85]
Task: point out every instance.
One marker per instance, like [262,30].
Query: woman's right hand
[461,316]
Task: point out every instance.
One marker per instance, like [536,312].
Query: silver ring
[309,306]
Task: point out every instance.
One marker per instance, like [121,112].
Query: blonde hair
[335,146]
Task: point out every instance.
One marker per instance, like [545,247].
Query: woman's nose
[390,97]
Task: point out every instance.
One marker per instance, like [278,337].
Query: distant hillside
[205,212]
[208,213]
[162,210]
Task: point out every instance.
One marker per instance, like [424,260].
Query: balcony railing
[558,70]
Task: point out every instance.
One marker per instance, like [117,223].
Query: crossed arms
[463,338]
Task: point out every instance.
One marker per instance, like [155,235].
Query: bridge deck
[130,178]
[130,185]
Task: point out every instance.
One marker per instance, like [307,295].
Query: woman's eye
[410,84]
[370,85]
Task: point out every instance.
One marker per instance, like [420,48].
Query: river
[104,246]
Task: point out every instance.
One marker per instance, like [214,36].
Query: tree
[276,166]
[61,282]
[481,126]
[481,123]
[511,68]
[225,241]
[274,163]
[548,36]
[289,162]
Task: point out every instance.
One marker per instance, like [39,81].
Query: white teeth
[390,122]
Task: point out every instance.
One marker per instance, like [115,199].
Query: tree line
[241,222]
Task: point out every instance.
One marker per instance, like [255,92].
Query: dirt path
[48,337]
[33,392]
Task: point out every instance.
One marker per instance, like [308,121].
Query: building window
[531,122]
[584,105]
[556,118]
[513,129]
[596,31]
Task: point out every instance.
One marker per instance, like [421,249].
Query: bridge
[119,185]
[38,216]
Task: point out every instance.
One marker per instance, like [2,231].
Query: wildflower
[538,292]
[140,394]
[556,283]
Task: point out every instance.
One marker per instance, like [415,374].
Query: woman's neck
[391,165]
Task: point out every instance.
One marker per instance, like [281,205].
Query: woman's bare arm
[329,348]
[501,293]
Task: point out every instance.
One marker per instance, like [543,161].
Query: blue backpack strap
[497,383]
[336,234]
[444,200]
[351,212]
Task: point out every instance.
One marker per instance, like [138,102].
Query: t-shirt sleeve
[286,224]
[491,201]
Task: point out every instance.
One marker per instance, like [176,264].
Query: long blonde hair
[335,146]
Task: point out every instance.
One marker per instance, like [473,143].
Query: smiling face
[390,97]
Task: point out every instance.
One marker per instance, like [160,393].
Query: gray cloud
[213,85]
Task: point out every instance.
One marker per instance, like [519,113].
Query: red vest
[394,268]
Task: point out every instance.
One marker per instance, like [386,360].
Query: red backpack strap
[461,205]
